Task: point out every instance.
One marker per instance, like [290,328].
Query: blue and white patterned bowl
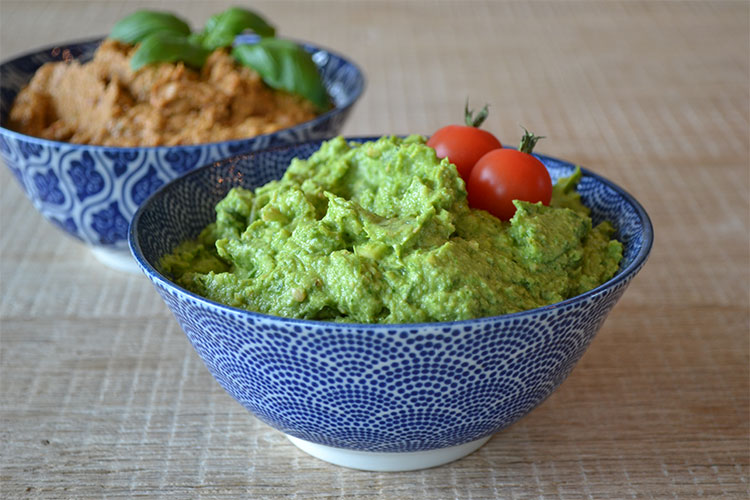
[380,397]
[92,192]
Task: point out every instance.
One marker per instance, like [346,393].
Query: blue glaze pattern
[68,225]
[380,388]
[109,224]
[145,186]
[47,186]
[120,160]
[84,176]
[88,190]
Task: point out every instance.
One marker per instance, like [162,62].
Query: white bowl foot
[120,260]
[387,462]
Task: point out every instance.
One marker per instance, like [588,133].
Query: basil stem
[168,47]
[143,23]
[283,64]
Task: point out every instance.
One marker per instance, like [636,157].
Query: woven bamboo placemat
[103,397]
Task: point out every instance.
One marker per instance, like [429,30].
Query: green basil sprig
[167,47]
[281,64]
[139,25]
[221,29]
[284,65]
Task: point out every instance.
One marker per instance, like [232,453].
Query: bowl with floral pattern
[380,396]
[91,192]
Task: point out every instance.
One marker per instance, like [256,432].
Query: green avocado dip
[381,233]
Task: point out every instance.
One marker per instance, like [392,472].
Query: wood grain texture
[103,397]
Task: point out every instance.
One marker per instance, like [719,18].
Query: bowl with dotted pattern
[380,397]
[91,192]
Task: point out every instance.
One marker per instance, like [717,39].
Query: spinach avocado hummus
[381,232]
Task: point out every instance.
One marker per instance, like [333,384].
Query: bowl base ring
[387,462]
[121,260]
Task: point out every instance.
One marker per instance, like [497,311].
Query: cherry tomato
[504,175]
[464,144]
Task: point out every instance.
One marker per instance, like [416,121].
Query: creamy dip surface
[104,102]
[382,233]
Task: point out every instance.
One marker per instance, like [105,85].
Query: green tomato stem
[528,141]
[475,121]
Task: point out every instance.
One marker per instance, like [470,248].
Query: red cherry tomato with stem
[504,175]
[463,145]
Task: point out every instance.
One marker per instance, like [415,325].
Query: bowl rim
[4,131]
[156,276]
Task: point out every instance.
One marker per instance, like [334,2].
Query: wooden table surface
[103,396]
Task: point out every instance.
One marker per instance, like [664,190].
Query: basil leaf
[139,25]
[197,38]
[284,65]
[168,47]
[222,28]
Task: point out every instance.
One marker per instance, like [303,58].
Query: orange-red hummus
[104,102]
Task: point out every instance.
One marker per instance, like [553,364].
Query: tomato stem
[528,141]
[475,121]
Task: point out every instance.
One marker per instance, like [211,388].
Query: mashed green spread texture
[382,233]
